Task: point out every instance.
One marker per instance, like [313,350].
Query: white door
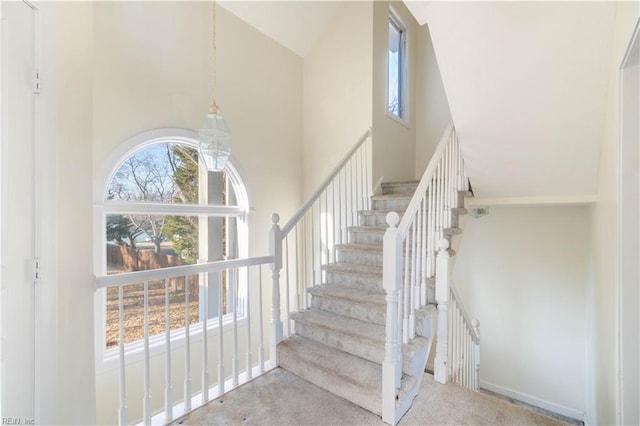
[18,211]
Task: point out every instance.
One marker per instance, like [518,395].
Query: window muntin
[396,68]
[135,227]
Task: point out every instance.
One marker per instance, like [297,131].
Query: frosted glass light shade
[215,142]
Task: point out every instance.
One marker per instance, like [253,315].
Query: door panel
[17,279]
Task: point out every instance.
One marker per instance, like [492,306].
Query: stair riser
[360,257]
[364,237]
[408,189]
[351,344]
[368,399]
[399,204]
[374,314]
[373,220]
[361,282]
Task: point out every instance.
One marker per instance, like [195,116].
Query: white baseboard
[532,400]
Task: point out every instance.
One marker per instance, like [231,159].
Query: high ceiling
[526,82]
[527,86]
[294,24]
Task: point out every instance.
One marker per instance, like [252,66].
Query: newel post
[391,281]
[275,249]
[441,370]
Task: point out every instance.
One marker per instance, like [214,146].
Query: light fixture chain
[215,57]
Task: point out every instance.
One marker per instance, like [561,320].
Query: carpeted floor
[281,398]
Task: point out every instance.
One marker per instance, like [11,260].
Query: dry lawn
[133,304]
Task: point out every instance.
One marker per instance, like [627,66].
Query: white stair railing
[458,345]
[243,279]
[308,240]
[464,349]
[427,220]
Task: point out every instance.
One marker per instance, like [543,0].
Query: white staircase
[339,341]
[357,277]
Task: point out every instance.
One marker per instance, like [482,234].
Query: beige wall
[337,91]
[113,70]
[144,82]
[432,108]
[602,303]
[68,382]
[394,142]
[521,271]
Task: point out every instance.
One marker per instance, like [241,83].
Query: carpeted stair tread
[346,326]
[392,197]
[354,268]
[374,298]
[377,229]
[367,248]
[350,377]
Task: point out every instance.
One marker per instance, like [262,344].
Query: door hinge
[36,269]
[36,83]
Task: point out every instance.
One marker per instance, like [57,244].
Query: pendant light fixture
[215,137]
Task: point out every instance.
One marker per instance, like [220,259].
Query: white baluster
[221,374]
[423,276]
[122,410]
[313,248]
[304,281]
[204,300]
[476,354]
[275,248]
[187,347]
[392,279]
[297,274]
[168,389]
[442,298]
[146,403]
[412,284]
[235,362]
[406,291]
[287,272]
[261,322]
[341,236]
[249,355]
[333,220]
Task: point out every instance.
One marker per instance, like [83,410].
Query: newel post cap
[275,218]
[443,244]
[393,219]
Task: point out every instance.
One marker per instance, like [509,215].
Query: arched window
[159,207]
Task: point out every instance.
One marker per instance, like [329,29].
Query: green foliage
[183,230]
[121,227]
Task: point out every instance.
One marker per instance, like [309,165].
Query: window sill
[397,119]
[109,360]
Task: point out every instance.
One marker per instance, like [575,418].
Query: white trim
[552,200]
[102,207]
[535,401]
[618,354]
[110,207]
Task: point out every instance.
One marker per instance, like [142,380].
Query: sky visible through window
[395,69]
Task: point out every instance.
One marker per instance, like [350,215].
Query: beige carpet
[281,398]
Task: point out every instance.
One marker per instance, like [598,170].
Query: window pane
[133,304]
[142,242]
[163,173]
[395,64]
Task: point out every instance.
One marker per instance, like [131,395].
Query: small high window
[396,72]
